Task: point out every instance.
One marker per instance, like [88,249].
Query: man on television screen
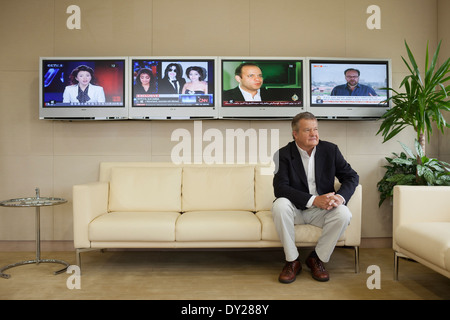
[250,79]
[173,81]
[352,87]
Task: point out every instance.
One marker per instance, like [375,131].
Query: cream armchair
[421,226]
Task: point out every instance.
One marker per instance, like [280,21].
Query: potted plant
[422,102]
[408,168]
[419,106]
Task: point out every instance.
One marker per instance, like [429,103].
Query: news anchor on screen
[82,89]
[352,87]
[250,79]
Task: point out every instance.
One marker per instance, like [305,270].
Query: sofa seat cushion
[145,189]
[134,226]
[428,240]
[303,233]
[218,226]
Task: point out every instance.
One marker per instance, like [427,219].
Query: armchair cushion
[429,240]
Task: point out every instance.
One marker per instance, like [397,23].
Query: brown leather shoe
[290,271]
[318,271]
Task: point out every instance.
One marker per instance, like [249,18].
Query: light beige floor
[211,275]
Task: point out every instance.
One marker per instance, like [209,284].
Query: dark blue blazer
[290,178]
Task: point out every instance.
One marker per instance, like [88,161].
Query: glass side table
[37,202]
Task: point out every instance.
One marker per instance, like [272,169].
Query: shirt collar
[357,86]
[248,96]
[305,153]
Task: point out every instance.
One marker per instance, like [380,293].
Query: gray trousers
[333,223]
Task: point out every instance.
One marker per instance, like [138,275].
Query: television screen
[353,87]
[85,88]
[172,87]
[262,86]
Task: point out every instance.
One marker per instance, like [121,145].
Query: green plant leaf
[423,100]
[407,150]
[400,161]
[404,169]
[429,177]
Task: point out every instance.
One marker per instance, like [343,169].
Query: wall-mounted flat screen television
[173,87]
[261,87]
[83,88]
[348,88]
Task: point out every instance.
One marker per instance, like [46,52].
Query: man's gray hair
[300,116]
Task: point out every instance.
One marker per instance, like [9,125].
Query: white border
[176,112]
[345,112]
[84,113]
[260,111]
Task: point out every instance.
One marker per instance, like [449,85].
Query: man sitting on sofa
[303,183]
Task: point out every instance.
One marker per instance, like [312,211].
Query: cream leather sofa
[163,205]
[421,226]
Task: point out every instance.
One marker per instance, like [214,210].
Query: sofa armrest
[90,200]
[413,204]
[353,231]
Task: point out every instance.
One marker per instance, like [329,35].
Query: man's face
[251,78]
[172,73]
[352,77]
[307,136]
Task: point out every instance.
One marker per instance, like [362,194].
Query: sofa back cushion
[218,188]
[145,189]
[264,195]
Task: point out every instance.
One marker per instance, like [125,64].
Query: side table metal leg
[38,234]
[38,244]
[22,263]
[38,251]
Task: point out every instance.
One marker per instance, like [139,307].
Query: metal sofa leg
[356,259]
[78,255]
[396,259]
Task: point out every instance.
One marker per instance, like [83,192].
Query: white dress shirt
[248,96]
[309,165]
[95,93]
